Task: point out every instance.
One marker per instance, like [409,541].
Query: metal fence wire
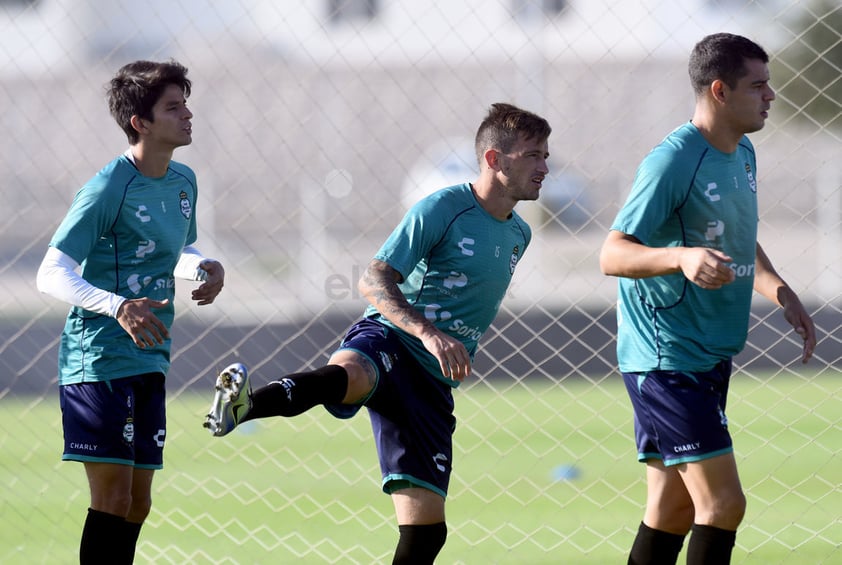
[316,124]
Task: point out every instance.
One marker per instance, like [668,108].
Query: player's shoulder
[455,193]
[680,149]
[119,165]
[454,198]
[183,170]
[685,138]
[518,220]
[521,226]
[115,174]
[746,146]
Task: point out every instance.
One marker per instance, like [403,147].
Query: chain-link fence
[316,123]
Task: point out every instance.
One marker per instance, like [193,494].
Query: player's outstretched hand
[207,292]
[136,317]
[797,316]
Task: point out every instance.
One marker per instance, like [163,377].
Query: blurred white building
[46,36]
[291,97]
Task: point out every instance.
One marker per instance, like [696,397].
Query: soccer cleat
[231,402]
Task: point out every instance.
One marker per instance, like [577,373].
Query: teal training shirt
[687,193]
[127,232]
[457,262]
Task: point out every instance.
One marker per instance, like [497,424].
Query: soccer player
[685,248]
[131,228]
[434,288]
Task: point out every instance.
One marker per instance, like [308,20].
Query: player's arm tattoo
[379,284]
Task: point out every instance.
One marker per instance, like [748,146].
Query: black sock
[131,531]
[297,393]
[419,545]
[709,544]
[102,539]
[655,547]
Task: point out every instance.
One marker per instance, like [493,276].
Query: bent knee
[139,509]
[729,511]
[362,374]
[725,512]
[673,516]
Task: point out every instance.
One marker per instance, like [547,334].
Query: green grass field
[541,475]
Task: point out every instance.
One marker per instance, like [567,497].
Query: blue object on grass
[566,473]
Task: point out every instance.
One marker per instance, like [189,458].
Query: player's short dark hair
[138,86]
[504,124]
[722,56]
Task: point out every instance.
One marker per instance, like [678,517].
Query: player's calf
[419,544]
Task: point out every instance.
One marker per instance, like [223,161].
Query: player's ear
[139,124]
[491,159]
[717,90]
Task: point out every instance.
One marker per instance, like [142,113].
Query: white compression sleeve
[57,277]
[188,265]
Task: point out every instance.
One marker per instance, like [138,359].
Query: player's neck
[498,207]
[717,133]
[150,163]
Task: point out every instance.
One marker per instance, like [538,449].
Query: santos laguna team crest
[513,260]
[751,182]
[184,204]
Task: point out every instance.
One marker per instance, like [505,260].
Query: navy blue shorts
[411,412]
[121,421]
[680,417]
